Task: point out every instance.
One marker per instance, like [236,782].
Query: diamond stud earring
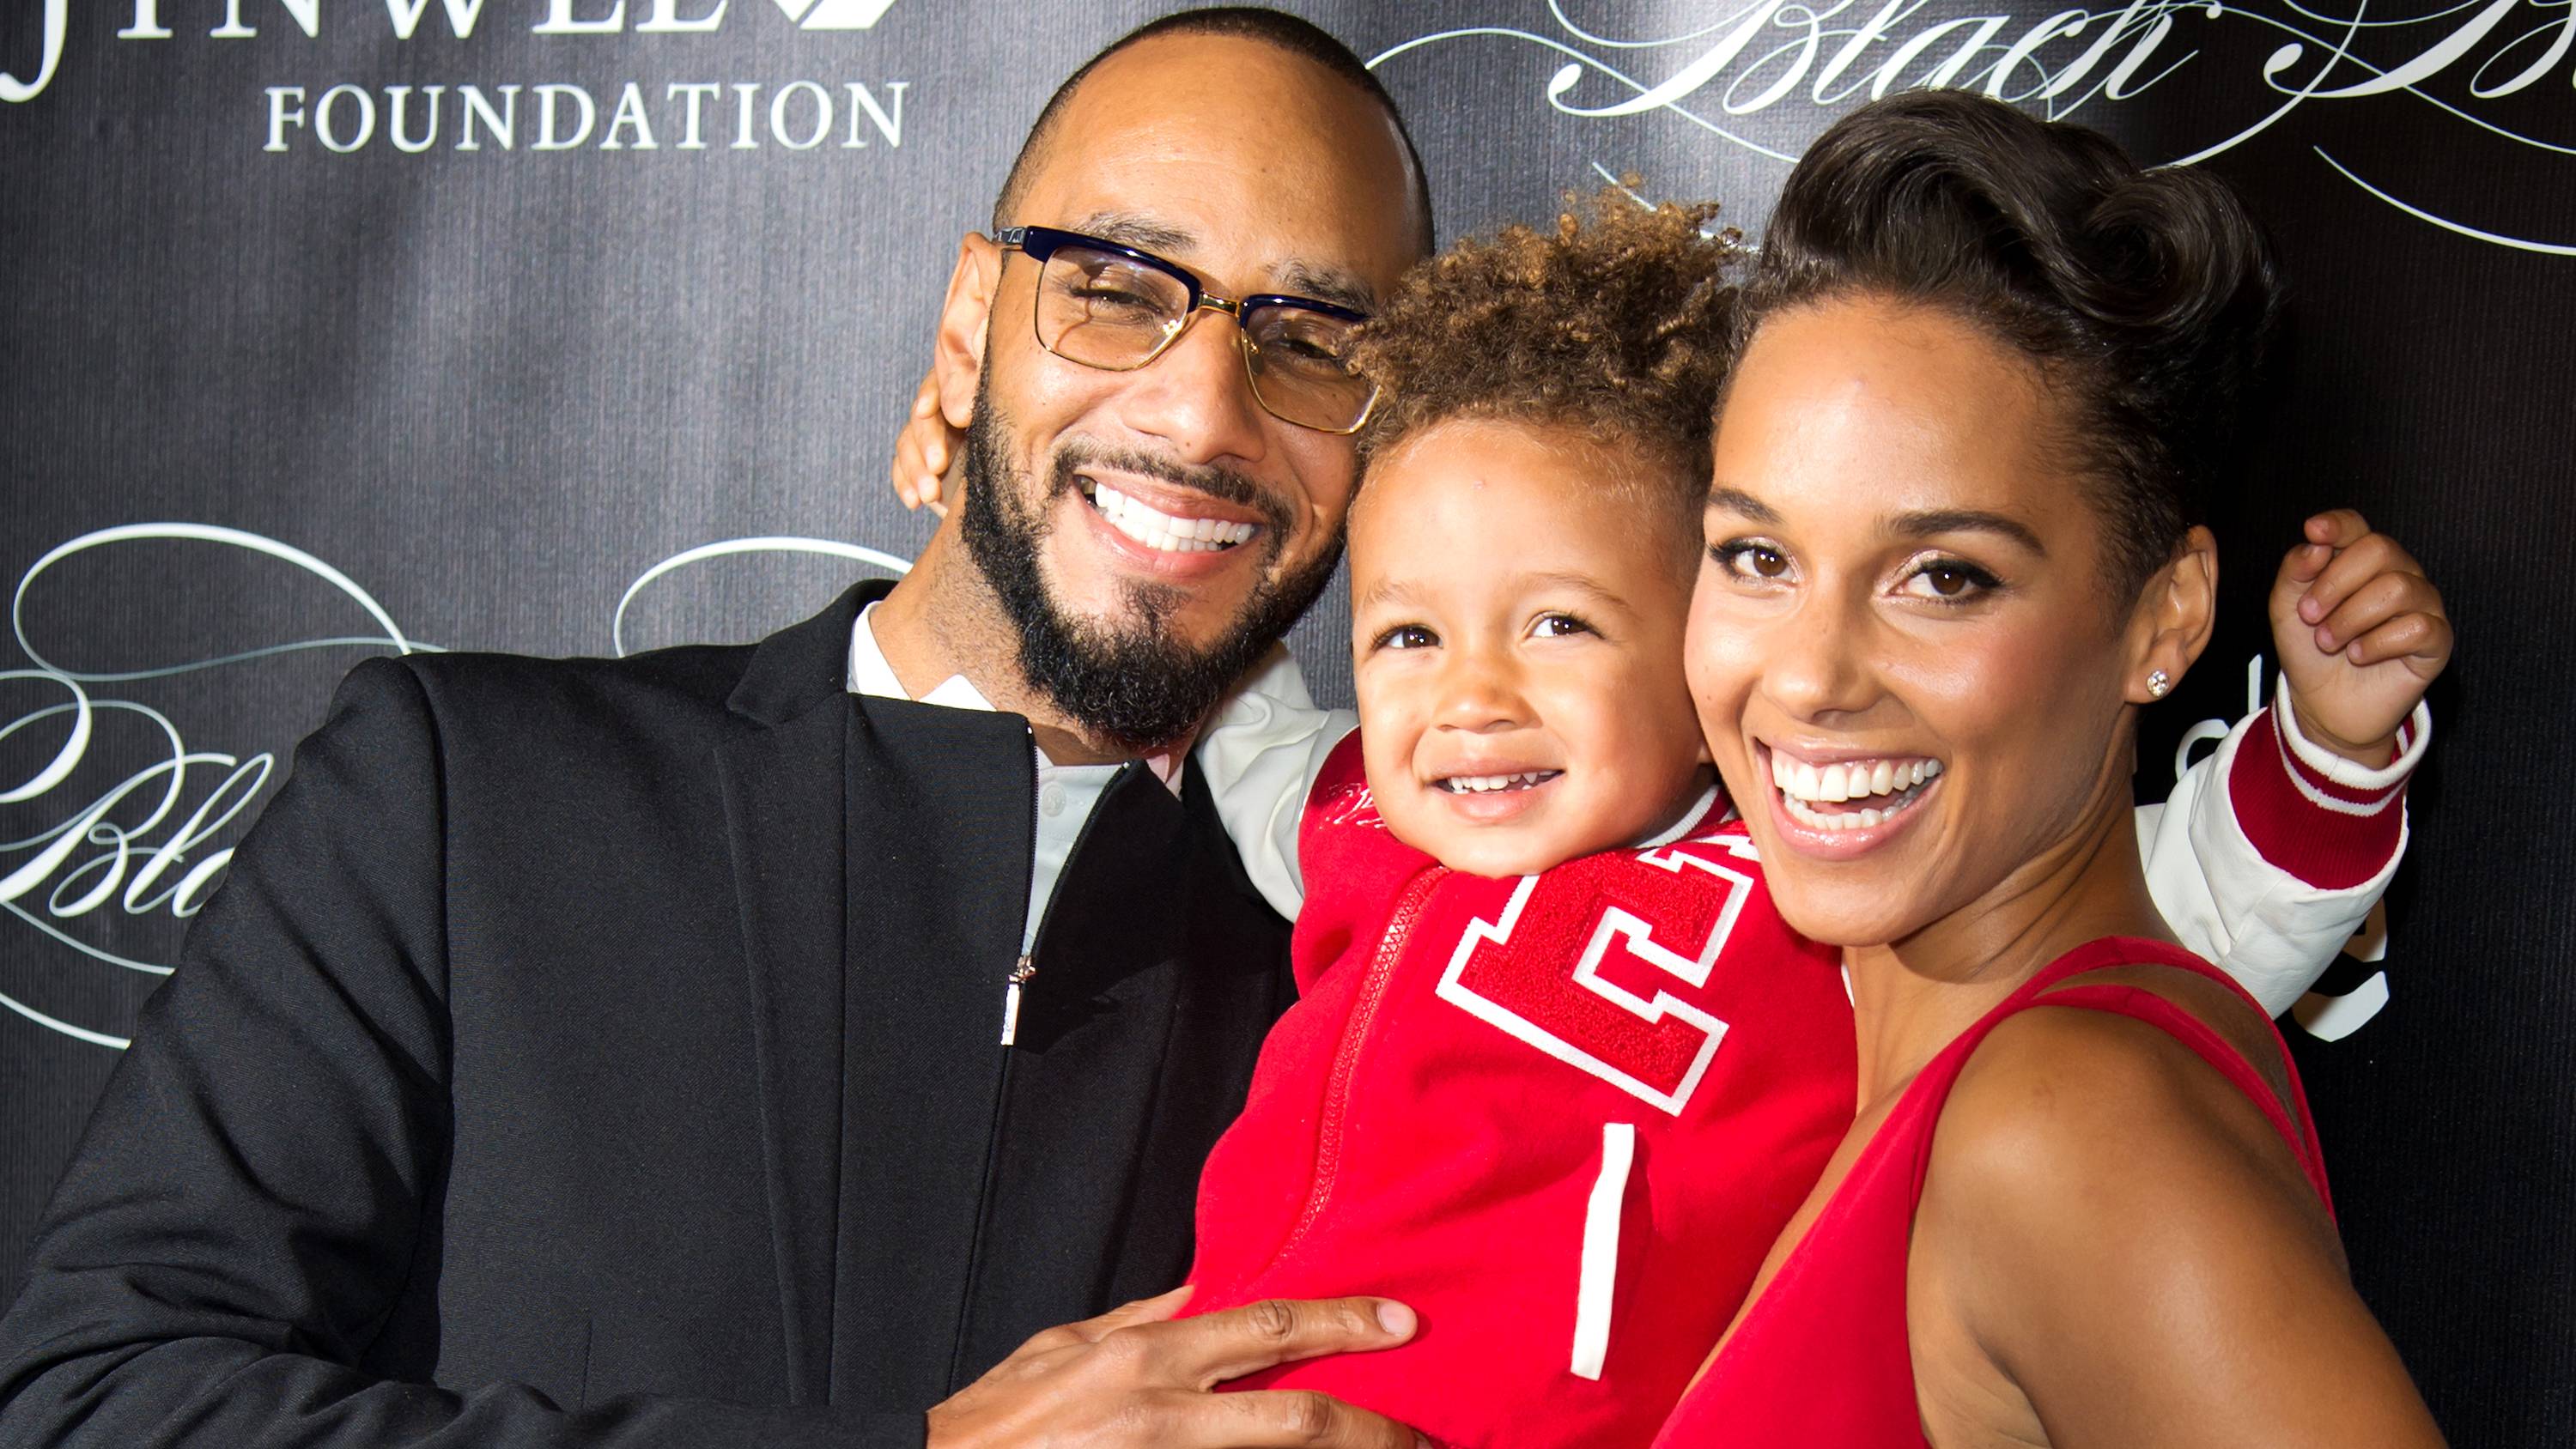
[2158,683]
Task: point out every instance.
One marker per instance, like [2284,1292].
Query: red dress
[1562,1116]
[1821,1359]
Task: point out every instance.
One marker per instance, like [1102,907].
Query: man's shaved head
[1248,22]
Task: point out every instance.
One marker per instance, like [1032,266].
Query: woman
[1985,362]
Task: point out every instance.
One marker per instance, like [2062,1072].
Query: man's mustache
[1223,484]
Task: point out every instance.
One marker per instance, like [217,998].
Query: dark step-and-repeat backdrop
[334,327]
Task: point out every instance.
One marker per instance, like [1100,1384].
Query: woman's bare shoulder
[2114,1231]
[2062,1104]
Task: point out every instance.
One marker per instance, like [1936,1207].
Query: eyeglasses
[1113,307]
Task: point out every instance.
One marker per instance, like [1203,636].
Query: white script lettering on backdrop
[1752,56]
[155,839]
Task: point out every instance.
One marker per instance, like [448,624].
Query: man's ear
[965,320]
[2176,613]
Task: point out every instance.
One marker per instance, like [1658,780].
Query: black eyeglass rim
[1040,242]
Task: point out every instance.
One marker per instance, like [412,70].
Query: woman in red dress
[1987,364]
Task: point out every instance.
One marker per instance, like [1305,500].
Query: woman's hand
[2360,633]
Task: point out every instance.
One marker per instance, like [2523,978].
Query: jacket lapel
[783,783]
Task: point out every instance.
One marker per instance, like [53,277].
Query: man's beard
[1127,680]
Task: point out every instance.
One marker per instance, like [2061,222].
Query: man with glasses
[754,1046]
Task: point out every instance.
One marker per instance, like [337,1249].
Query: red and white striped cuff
[2332,823]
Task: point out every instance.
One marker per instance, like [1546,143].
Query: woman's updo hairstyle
[2145,298]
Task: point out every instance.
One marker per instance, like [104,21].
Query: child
[1559,1073]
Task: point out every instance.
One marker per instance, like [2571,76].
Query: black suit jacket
[606,1053]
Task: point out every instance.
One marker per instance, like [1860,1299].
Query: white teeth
[1480,784]
[1804,786]
[1813,818]
[1161,530]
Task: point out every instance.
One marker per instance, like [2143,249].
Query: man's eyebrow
[1327,284]
[1737,501]
[1130,230]
[1302,279]
[1967,520]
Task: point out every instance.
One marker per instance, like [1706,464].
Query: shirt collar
[871,675]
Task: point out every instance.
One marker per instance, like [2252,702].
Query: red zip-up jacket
[1562,1116]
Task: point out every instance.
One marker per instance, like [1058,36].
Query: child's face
[1516,626]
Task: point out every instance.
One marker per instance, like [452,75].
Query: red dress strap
[2121,999]
[1821,1359]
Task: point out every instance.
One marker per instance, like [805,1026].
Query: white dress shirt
[1065,793]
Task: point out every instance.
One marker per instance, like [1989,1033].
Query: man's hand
[2361,634]
[1133,1376]
[924,452]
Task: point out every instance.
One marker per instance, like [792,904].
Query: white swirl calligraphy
[1755,56]
[149,842]
[156,840]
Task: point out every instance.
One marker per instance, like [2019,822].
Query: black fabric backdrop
[299,359]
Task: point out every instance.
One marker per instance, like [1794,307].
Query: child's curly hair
[1614,325]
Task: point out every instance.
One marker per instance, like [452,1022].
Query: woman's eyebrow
[1737,501]
[1965,520]
[1922,523]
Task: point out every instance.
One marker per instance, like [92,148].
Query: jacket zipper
[1026,966]
[1023,970]
[1337,1089]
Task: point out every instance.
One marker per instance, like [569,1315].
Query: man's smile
[1168,520]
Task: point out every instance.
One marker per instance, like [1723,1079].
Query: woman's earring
[2158,682]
